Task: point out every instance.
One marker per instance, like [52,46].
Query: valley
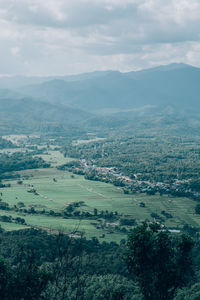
[100,150]
[87,162]
[55,198]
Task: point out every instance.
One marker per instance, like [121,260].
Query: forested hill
[27,115]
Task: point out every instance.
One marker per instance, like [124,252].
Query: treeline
[20,161]
[6,144]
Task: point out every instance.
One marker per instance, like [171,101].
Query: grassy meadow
[55,158]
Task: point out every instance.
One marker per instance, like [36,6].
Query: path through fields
[92,191]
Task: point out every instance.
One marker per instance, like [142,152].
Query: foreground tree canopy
[37,265]
[160,262]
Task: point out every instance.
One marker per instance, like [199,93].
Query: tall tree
[160,262]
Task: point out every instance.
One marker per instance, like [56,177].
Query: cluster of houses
[112,175]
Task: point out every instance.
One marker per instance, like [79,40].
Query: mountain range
[111,97]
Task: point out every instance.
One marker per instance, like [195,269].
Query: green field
[12,226]
[79,142]
[57,189]
[55,158]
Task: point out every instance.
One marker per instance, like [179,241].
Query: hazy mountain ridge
[176,84]
[166,96]
[111,90]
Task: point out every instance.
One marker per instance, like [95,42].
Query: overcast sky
[57,37]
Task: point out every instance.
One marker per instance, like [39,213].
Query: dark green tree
[4,279]
[197,209]
[160,262]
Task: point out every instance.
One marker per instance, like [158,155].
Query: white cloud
[82,35]
[15,51]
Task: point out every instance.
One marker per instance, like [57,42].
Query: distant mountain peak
[173,66]
[169,67]
[176,84]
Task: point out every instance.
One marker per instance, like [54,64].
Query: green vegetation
[37,265]
[20,161]
[44,197]
[54,157]
[160,262]
[150,157]
[75,183]
[5,143]
[55,199]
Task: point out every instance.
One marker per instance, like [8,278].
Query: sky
[61,37]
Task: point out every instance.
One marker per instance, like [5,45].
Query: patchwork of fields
[56,190]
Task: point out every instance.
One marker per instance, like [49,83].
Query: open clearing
[79,142]
[55,158]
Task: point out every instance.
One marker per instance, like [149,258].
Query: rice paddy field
[56,190]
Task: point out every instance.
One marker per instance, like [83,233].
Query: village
[130,186]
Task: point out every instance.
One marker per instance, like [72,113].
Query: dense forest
[152,264]
[5,143]
[20,161]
